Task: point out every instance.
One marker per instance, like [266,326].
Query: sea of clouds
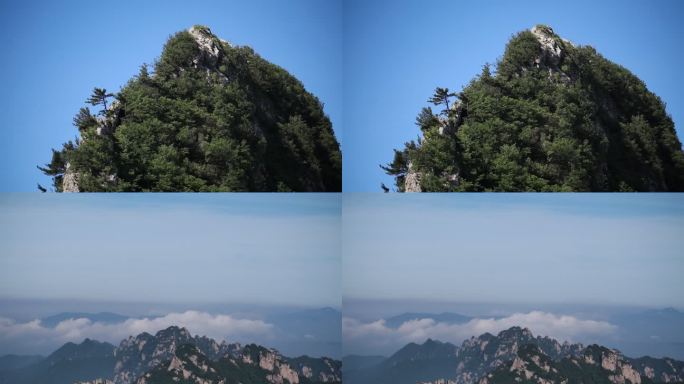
[368,338]
[33,337]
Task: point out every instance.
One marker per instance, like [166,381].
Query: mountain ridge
[499,355]
[173,354]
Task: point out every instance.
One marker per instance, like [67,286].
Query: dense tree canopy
[211,117]
[554,117]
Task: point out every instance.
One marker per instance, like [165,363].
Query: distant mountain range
[172,355]
[514,355]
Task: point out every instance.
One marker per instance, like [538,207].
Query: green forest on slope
[209,116]
[553,117]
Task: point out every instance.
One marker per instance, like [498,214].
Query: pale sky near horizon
[280,249]
[547,248]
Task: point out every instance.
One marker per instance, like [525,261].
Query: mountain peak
[516,332]
[174,331]
[221,117]
[543,30]
[552,46]
[210,46]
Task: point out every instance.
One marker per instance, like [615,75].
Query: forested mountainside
[209,116]
[553,117]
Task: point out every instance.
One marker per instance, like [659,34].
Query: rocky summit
[514,355]
[595,365]
[550,116]
[207,116]
[173,355]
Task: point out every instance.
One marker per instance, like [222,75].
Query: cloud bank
[33,337]
[376,337]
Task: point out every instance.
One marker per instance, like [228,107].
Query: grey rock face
[70,180]
[552,49]
[412,182]
[210,47]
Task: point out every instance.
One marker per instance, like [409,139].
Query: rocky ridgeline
[515,355]
[482,354]
[174,355]
[596,364]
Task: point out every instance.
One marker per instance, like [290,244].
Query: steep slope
[554,117]
[211,117]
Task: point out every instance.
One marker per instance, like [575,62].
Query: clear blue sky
[397,51]
[603,249]
[280,249]
[54,53]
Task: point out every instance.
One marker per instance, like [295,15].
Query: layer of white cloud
[377,337]
[33,337]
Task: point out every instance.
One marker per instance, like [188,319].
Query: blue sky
[55,53]
[597,249]
[397,51]
[266,249]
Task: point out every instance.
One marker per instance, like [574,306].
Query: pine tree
[99,96]
[84,119]
[441,96]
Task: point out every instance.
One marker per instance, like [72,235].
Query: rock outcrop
[551,46]
[210,46]
[70,180]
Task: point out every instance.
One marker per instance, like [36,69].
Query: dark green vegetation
[554,117]
[211,117]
